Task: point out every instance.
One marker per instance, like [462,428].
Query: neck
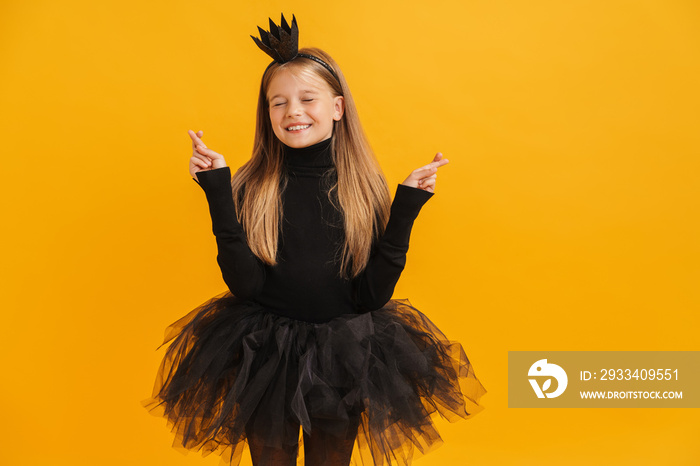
[315,155]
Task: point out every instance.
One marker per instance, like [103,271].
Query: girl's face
[302,109]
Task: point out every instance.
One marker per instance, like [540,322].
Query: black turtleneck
[305,284]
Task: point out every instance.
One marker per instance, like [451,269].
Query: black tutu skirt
[234,368]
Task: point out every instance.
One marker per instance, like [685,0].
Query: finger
[193,137]
[427,186]
[196,138]
[439,162]
[208,152]
[202,157]
[424,171]
[434,165]
[426,181]
[203,151]
[199,163]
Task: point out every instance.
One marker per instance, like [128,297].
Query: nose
[294,108]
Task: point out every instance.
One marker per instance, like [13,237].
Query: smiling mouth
[297,128]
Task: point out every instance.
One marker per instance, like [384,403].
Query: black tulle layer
[234,368]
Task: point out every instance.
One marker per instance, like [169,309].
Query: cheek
[318,113]
[275,117]
[275,123]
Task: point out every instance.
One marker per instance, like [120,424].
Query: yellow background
[567,218]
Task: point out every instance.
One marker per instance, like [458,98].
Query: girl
[307,335]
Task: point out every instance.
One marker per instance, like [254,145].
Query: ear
[338,107]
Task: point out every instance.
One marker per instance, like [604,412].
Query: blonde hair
[361,188]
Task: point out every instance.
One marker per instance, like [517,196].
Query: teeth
[295,128]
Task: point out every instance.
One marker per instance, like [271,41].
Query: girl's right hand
[203,158]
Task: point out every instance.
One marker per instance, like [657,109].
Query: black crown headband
[282,44]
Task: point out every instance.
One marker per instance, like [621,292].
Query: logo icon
[543,369]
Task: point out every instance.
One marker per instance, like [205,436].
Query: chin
[298,142]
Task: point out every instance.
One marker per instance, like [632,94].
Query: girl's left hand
[424,177]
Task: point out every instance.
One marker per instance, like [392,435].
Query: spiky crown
[282,43]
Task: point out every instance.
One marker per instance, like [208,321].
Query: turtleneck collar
[315,155]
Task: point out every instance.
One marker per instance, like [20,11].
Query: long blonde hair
[361,188]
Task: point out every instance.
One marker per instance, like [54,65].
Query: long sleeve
[242,271]
[376,284]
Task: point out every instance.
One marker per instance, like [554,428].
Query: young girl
[307,335]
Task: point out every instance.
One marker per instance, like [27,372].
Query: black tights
[319,449]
